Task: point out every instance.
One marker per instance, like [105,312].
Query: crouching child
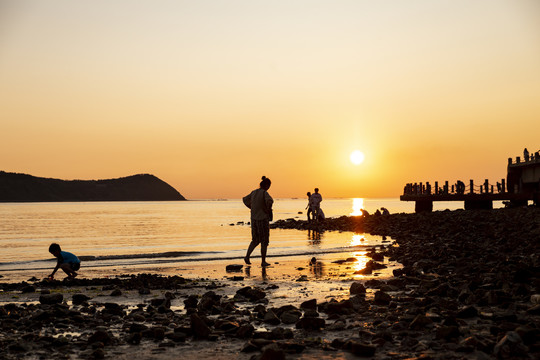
[66,261]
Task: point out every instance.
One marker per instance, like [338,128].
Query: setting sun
[357,157]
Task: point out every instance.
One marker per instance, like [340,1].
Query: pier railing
[521,185]
[457,188]
[527,159]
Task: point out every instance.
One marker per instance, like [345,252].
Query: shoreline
[468,288]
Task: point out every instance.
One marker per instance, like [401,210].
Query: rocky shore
[469,289]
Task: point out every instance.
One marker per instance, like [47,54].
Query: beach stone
[447,333]
[292,347]
[364,271]
[101,336]
[249,347]
[534,310]
[271,318]
[186,329]
[19,346]
[420,322]
[156,333]
[279,333]
[467,312]
[49,299]
[199,328]
[165,302]
[245,331]
[116,292]
[310,323]
[144,291]
[226,325]
[344,307]
[272,352]
[309,304]
[209,300]
[134,338]
[177,337]
[28,289]
[252,294]
[113,309]
[290,316]
[310,313]
[191,301]
[78,299]
[382,298]
[374,284]
[375,256]
[528,334]
[60,341]
[509,346]
[360,349]
[357,288]
[136,327]
[234,267]
[336,326]
[98,354]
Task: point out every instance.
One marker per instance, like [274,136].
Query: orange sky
[211,95]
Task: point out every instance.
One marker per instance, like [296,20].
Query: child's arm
[55,269]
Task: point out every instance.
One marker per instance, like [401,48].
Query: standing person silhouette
[260,203]
[309,207]
[316,199]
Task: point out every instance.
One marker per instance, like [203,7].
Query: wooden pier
[521,185]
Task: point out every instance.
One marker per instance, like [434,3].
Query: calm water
[132,233]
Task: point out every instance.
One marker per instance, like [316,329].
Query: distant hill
[27,188]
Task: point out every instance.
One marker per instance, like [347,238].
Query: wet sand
[467,288]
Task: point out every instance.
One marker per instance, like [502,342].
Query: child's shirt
[67,257]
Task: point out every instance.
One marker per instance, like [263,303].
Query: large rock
[78,299]
[360,349]
[290,316]
[357,288]
[252,294]
[310,323]
[420,322]
[101,336]
[271,318]
[199,328]
[49,299]
[382,298]
[511,345]
[309,304]
[234,267]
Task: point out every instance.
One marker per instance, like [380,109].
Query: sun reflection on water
[362,260]
[357,206]
[357,239]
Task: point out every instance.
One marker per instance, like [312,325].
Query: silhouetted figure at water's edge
[66,261]
[260,203]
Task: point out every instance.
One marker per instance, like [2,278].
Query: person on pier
[460,187]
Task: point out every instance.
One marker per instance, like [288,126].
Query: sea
[128,234]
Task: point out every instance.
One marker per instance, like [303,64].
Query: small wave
[176,257]
[169,254]
[85,258]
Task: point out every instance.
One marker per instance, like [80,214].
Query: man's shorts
[260,231]
[75,266]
